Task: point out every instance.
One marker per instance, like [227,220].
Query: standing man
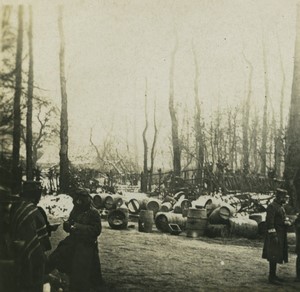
[31,193]
[78,255]
[24,239]
[297,250]
[275,248]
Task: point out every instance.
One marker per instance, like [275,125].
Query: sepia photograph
[149,145]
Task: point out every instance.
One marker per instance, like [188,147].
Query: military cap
[31,185]
[281,192]
[83,192]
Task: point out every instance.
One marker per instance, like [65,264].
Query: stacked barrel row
[119,207]
[224,221]
[117,212]
[206,216]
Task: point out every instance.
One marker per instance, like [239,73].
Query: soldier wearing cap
[275,248]
[78,255]
[24,237]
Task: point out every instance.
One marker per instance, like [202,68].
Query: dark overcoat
[28,225]
[297,230]
[78,254]
[276,251]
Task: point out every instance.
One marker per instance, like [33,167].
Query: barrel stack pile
[209,216]
[213,216]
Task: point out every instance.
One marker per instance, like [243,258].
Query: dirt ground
[136,261]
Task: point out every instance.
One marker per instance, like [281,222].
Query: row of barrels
[107,201]
[197,224]
[208,216]
[139,202]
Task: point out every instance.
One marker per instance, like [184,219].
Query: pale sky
[113,46]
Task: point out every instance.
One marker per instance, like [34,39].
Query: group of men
[25,232]
[24,240]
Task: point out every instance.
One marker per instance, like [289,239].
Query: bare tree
[292,161]
[153,145]
[246,114]
[263,151]
[230,139]
[17,109]
[145,162]
[174,121]
[197,120]
[29,161]
[7,43]
[279,138]
[63,153]
[254,142]
[45,132]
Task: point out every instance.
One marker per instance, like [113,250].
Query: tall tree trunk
[198,128]
[17,106]
[272,144]
[263,153]
[246,114]
[5,21]
[63,154]
[174,121]
[234,141]
[254,147]
[136,152]
[145,168]
[280,134]
[153,146]
[230,138]
[292,161]
[212,143]
[29,153]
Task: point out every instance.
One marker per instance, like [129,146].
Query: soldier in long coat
[275,248]
[78,255]
[297,250]
[26,240]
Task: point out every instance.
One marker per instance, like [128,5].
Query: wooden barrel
[162,221]
[169,199]
[166,207]
[134,206]
[198,213]
[181,205]
[150,204]
[217,230]
[258,217]
[221,214]
[211,204]
[201,202]
[118,218]
[244,227]
[196,222]
[113,201]
[185,204]
[146,221]
[98,200]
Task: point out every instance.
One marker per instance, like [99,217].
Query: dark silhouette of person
[77,255]
[275,248]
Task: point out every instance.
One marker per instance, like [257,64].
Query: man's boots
[273,279]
